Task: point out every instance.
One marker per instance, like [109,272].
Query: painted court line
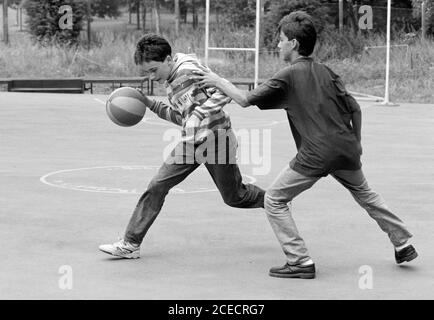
[100,101]
[51,180]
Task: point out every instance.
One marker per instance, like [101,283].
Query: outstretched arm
[164,111]
[210,79]
[269,95]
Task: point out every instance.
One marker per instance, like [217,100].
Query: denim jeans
[290,183]
[227,178]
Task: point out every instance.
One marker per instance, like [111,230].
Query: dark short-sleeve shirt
[319,111]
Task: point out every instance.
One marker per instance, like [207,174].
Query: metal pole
[129,11]
[89,8]
[138,13]
[21,19]
[389,13]
[258,23]
[341,15]
[157,16]
[5,22]
[423,9]
[144,16]
[206,31]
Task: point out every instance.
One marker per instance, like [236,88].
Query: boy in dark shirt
[326,125]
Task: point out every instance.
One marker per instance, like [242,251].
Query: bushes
[106,8]
[279,9]
[44,17]
[333,44]
[239,13]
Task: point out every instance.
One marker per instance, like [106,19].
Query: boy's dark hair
[151,47]
[299,25]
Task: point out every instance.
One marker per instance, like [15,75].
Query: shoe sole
[133,255]
[408,258]
[293,275]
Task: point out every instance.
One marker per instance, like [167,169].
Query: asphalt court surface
[70,179]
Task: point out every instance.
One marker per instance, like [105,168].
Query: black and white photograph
[222,153]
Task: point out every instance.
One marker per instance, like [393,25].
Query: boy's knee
[157,187]
[233,200]
[370,199]
[268,202]
[262,198]
[250,197]
[272,204]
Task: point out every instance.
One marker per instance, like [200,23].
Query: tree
[194,6]
[5,22]
[47,22]
[240,13]
[138,5]
[278,10]
[106,8]
[144,2]
[402,20]
[176,17]
[429,13]
[189,5]
[350,8]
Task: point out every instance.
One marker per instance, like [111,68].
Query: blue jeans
[227,178]
[290,183]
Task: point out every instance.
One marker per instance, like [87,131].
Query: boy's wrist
[152,105]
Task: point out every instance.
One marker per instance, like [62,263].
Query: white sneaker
[122,249]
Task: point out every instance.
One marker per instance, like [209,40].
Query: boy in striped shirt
[207,138]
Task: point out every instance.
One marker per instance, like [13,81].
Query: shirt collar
[302,59]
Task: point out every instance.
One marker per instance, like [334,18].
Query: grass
[411,73]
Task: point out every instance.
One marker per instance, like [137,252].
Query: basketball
[126,106]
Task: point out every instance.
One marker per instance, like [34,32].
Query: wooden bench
[249,82]
[4,82]
[72,85]
[120,81]
[80,85]
[46,85]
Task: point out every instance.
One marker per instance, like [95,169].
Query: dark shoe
[297,271]
[407,254]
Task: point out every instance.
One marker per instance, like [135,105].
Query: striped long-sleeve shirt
[212,122]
